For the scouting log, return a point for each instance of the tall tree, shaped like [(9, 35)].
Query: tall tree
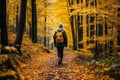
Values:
[(69, 2), (45, 44), (118, 33), (34, 21), (73, 33), (17, 18), (21, 25), (30, 31), (80, 32), (3, 27)]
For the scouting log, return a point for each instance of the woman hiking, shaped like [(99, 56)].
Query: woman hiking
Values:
[(60, 41)]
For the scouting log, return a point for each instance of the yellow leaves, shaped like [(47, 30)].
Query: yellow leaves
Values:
[(106, 69), (88, 77), (90, 46), (8, 48), (103, 39), (3, 58), (55, 12), (35, 50), (86, 54), (28, 78), (118, 53), (9, 73), (84, 11), (21, 64)]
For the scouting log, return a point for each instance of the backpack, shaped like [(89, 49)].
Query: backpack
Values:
[(59, 37)]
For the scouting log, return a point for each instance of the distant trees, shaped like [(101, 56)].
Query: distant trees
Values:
[(3, 26), (98, 32), (21, 25)]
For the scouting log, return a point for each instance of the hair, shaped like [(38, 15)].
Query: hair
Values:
[(60, 25)]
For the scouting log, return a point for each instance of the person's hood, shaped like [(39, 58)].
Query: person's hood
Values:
[(60, 29)]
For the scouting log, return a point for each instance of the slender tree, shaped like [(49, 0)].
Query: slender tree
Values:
[(80, 32), (17, 18), (34, 21), (30, 31), (72, 24), (0, 22), (118, 33), (45, 44), (3, 27), (21, 25), (73, 33), (45, 39)]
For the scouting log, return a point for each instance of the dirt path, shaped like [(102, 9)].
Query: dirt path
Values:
[(44, 67)]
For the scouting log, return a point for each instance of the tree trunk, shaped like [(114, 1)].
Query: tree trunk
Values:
[(30, 31), (73, 32), (72, 25), (45, 39), (3, 30), (80, 33), (16, 18), (118, 35), (19, 36), (34, 22), (45, 32)]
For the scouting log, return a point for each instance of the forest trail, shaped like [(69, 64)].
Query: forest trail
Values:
[(45, 67), (77, 65)]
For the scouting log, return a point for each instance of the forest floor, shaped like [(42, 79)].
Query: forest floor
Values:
[(45, 67), (42, 64)]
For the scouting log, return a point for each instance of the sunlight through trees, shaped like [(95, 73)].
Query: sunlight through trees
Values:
[(93, 30)]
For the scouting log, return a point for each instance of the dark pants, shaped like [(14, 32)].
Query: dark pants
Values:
[(60, 54)]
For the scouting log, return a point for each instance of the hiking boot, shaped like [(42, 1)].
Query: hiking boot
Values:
[(59, 62)]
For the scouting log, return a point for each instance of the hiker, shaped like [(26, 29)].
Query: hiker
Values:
[(60, 41)]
